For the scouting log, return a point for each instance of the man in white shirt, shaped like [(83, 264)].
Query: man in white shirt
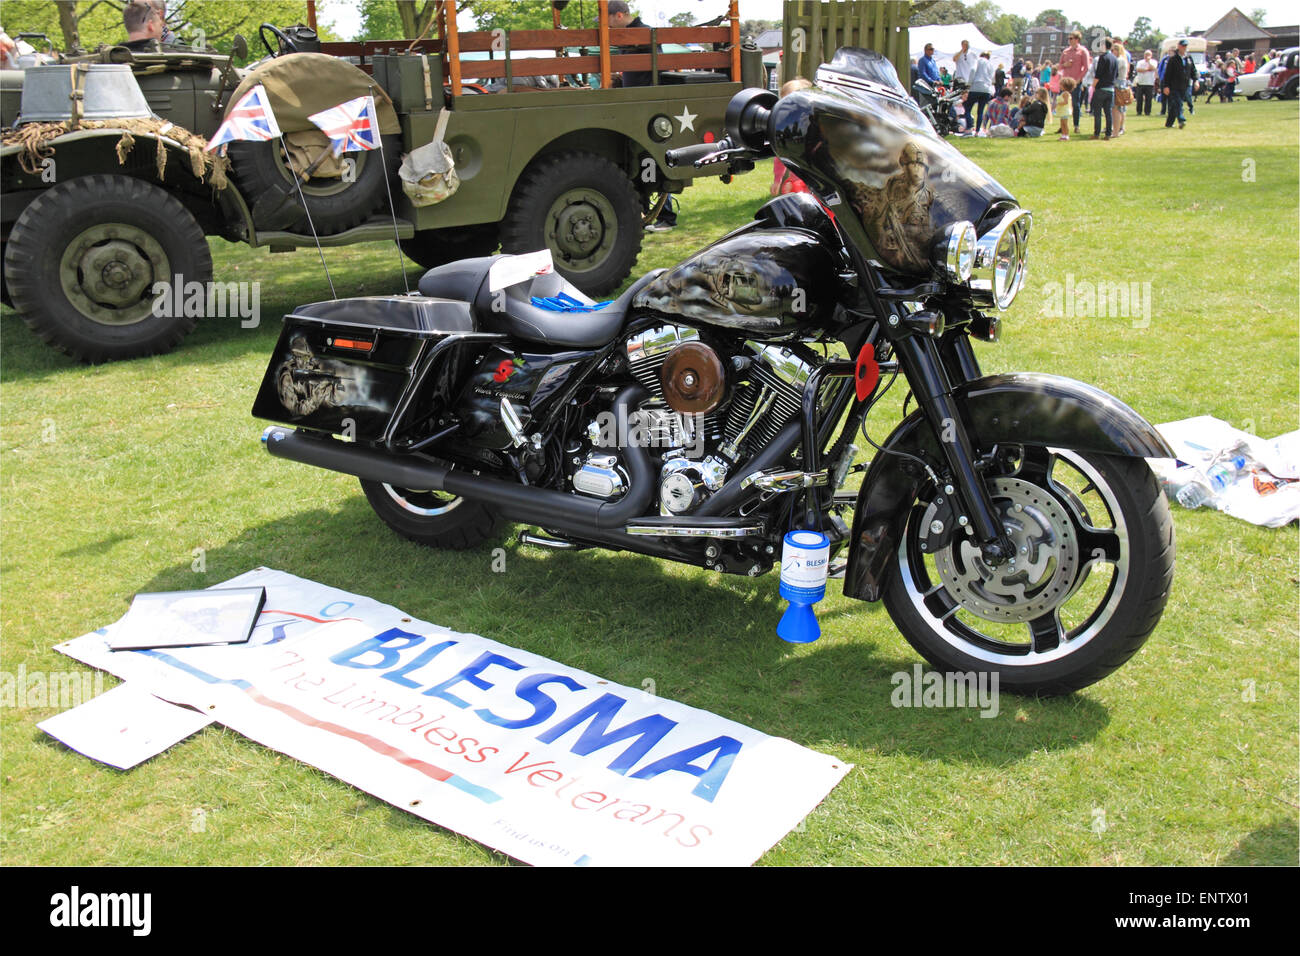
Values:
[(963, 62), (1144, 86)]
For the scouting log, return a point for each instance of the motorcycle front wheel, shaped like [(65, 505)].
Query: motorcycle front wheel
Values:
[(1094, 560)]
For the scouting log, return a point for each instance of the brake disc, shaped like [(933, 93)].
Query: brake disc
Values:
[(1037, 578)]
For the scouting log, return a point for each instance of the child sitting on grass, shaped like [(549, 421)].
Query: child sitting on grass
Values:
[(1034, 112), (1067, 86)]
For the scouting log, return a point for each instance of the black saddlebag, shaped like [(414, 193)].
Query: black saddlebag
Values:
[(352, 367)]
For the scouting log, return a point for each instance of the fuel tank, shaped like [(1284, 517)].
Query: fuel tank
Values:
[(862, 145), (769, 283)]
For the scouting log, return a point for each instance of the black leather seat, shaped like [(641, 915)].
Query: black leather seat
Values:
[(510, 311)]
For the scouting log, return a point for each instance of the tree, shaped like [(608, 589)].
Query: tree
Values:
[(1051, 17), (1258, 15), (379, 21), (528, 15), (683, 19), (1007, 28), (944, 11), (1143, 36), (754, 28), (89, 23)]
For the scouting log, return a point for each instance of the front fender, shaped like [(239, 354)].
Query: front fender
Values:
[(1021, 408)]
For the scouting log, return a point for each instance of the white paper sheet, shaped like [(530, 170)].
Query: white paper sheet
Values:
[(124, 726)]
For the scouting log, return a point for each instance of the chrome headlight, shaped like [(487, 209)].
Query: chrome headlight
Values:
[(1000, 256), (954, 251)]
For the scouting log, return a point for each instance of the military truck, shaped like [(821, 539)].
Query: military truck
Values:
[(550, 152)]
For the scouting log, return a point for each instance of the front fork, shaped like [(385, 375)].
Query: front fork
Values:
[(930, 378)]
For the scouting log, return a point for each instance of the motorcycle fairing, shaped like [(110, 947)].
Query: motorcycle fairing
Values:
[(873, 150), (1021, 408)]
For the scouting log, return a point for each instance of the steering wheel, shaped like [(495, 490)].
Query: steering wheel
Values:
[(286, 44)]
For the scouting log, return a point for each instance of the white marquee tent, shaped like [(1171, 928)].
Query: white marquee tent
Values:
[(947, 39)]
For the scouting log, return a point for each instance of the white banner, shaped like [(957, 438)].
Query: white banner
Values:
[(546, 763)]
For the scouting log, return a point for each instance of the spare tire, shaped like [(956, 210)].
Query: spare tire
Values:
[(336, 204), (297, 86)]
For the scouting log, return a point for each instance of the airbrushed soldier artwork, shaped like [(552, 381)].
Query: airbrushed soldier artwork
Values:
[(898, 216), (307, 383)]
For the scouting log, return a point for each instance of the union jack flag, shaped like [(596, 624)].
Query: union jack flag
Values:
[(250, 118), (351, 126)]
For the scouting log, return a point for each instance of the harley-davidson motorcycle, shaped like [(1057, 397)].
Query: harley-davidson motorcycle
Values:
[(1009, 522)]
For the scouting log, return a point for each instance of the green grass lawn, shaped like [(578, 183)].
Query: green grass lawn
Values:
[(112, 476)]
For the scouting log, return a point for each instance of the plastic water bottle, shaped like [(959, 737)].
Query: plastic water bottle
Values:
[(1193, 495), (1224, 473)]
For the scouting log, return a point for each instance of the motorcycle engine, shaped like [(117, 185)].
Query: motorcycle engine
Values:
[(707, 412)]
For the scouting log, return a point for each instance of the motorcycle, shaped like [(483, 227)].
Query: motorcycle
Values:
[(1008, 523), (939, 105)]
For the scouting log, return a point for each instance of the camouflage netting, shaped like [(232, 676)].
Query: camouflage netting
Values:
[(36, 139)]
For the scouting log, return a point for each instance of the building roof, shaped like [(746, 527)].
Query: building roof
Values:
[(1235, 25), (769, 39)]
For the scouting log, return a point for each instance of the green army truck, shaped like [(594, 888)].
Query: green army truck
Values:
[(99, 207)]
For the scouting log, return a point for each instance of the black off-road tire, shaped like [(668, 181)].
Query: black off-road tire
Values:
[(437, 247), (414, 515), (572, 200), (156, 239), (258, 167), (1126, 614)]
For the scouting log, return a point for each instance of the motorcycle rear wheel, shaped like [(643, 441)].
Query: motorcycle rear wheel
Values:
[(1093, 568), (432, 518)]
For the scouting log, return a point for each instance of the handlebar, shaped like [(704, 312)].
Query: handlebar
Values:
[(696, 154)]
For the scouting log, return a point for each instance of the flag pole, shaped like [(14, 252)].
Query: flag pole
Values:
[(383, 160), (297, 181)]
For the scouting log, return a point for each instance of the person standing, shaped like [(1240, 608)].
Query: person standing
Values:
[(963, 62), (144, 28), (1103, 90), (621, 18), (926, 66), (981, 90), (1074, 63), (1194, 84), (1067, 85), (1144, 87), (1029, 85), (1123, 95), (999, 77), (1177, 80)]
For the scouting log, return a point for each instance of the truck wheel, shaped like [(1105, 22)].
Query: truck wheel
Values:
[(336, 205), (585, 210), (437, 247), (83, 258)]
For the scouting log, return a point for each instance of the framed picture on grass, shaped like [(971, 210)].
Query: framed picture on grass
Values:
[(188, 618)]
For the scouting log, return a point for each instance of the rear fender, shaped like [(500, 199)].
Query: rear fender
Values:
[(1019, 408)]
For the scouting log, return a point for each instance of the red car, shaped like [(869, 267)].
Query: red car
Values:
[(1282, 84)]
